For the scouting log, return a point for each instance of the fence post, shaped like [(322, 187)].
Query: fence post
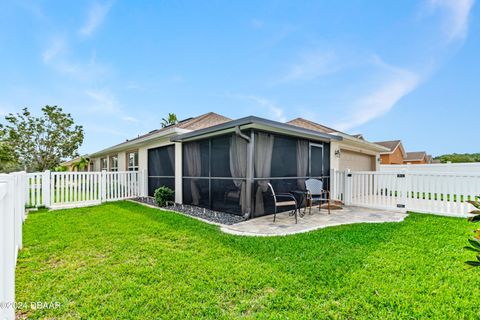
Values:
[(46, 181), (403, 189), (103, 186), (7, 247), (348, 187), (18, 208)]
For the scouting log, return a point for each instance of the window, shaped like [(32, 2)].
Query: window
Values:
[(114, 163), (103, 164), (132, 161)]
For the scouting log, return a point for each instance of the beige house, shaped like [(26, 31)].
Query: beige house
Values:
[(214, 162)]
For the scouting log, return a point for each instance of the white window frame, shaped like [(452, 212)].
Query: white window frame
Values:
[(113, 159), (103, 164), (134, 167)]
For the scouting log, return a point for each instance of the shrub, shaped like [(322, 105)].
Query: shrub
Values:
[(475, 240), (163, 195)]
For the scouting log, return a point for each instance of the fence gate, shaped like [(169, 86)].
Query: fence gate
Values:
[(379, 190)]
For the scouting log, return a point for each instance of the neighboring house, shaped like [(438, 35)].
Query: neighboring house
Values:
[(214, 162), (395, 154), (71, 165), (418, 157)]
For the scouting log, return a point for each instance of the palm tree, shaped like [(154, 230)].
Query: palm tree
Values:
[(172, 119), (81, 164)]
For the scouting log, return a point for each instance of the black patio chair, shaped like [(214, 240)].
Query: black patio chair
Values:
[(284, 200)]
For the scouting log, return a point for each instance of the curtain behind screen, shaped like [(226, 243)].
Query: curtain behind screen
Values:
[(302, 162), (194, 168), (238, 167), (263, 165)]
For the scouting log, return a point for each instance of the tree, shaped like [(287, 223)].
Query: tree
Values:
[(172, 119), (459, 157), (81, 164), (41, 143), (8, 161)]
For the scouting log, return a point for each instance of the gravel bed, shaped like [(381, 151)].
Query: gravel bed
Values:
[(207, 214)]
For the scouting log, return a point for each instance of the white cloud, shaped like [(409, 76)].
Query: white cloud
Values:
[(96, 15), (379, 101), (56, 55), (256, 23), (312, 65), (55, 48), (457, 13), (276, 112), (105, 101), (129, 119)]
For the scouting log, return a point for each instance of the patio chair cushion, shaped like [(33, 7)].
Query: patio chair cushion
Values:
[(286, 203)]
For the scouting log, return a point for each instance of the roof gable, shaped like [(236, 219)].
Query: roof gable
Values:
[(415, 156), (306, 124)]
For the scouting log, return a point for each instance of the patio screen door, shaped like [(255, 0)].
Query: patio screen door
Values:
[(316, 160)]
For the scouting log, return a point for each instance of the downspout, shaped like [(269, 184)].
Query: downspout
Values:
[(239, 133)]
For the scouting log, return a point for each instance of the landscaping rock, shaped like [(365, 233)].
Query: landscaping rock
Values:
[(207, 214)]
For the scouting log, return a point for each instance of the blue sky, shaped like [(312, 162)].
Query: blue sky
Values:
[(388, 69)]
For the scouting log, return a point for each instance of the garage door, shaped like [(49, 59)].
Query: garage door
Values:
[(356, 161)]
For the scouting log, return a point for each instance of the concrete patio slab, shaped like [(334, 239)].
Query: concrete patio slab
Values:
[(285, 224)]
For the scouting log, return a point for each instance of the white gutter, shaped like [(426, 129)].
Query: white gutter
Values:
[(136, 142), (361, 143)]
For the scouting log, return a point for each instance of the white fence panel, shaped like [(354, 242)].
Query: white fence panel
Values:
[(12, 216), (380, 190), (33, 190), (74, 189), (442, 193), (123, 185), (78, 189), (427, 192), (469, 167), (337, 191)]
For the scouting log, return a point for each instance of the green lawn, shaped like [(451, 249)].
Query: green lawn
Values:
[(123, 260)]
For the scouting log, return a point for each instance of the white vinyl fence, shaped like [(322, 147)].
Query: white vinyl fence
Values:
[(53, 190), (76, 189), (12, 216), (468, 167), (428, 192)]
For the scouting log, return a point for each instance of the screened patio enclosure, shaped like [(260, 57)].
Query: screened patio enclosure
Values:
[(231, 172)]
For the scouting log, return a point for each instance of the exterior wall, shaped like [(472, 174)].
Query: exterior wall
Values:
[(334, 160), (392, 158), (347, 151), (356, 161)]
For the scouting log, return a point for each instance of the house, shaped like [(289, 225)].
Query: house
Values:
[(395, 154), (75, 164), (214, 162), (417, 157)]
